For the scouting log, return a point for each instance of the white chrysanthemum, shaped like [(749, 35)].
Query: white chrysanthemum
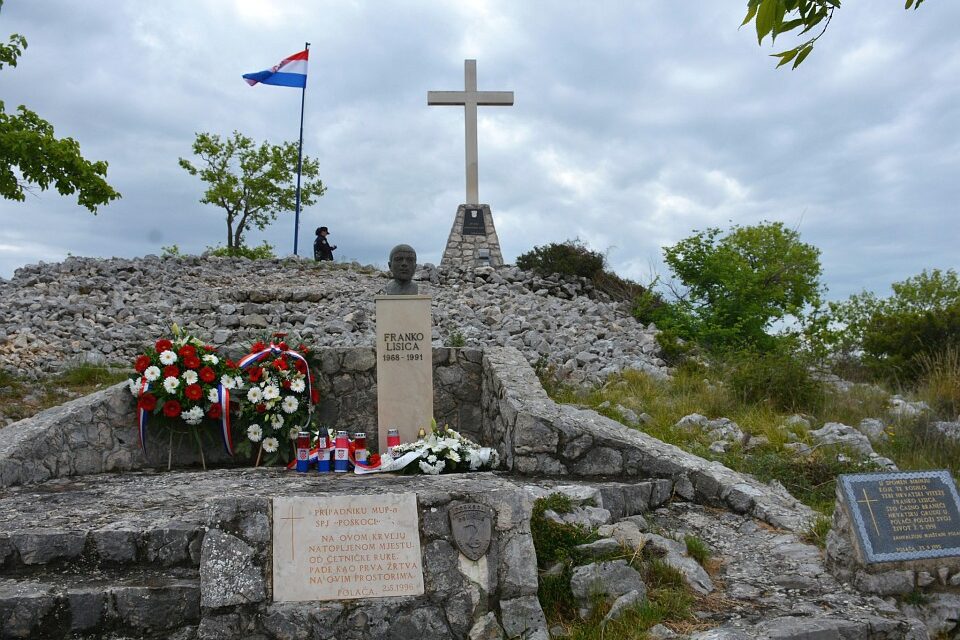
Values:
[(213, 396), (254, 395), (270, 445), (277, 420), (432, 469), (134, 386), (453, 456), (254, 432), (431, 458), (451, 443), (170, 384), (238, 381), (193, 416), (271, 392), (168, 357), (293, 433), (228, 382), (190, 377), (212, 359), (152, 373), (298, 385), (290, 404)]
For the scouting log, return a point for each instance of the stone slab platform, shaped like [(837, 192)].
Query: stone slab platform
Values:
[(144, 542)]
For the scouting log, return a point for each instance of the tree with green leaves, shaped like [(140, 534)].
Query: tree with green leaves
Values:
[(739, 283), (251, 183), (892, 335), (30, 153), (775, 17)]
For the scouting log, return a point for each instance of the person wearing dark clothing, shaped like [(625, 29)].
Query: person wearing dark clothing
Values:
[(321, 248)]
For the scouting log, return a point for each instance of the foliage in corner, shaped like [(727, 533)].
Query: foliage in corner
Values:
[(261, 252), (251, 183), (570, 258), (895, 335), (775, 17), (29, 146)]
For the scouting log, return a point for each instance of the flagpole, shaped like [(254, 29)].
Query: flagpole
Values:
[(303, 100)]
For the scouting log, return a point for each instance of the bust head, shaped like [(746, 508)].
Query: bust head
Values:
[(402, 264)]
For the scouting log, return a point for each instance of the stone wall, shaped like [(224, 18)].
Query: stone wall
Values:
[(97, 433), (536, 436), (492, 396)]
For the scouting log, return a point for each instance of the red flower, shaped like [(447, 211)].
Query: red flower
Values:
[(374, 459), (231, 364), (302, 348), (193, 392), (141, 363), (163, 345), (209, 348), (254, 373), (261, 408), (207, 374), (285, 384), (279, 335), (171, 371), (314, 396), (171, 408), (191, 362), (302, 368), (147, 402), (281, 364), (283, 346), (257, 346), (214, 412), (187, 350)]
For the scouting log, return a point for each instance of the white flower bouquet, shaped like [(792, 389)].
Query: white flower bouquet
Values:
[(443, 450)]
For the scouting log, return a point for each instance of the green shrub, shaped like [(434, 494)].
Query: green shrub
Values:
[(570, 258), (817, 533), (262, 252), (173, 251), (895, 345), (780, 378), (940, 380)]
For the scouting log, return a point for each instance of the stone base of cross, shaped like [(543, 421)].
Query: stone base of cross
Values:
[(473, 240)]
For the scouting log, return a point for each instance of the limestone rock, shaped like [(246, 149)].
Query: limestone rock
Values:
[(610, 580), (228, 574)]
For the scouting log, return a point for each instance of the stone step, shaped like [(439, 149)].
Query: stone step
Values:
[(164, 544), (143, 603)]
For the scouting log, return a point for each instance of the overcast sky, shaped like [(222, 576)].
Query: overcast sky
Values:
[(635, 123)]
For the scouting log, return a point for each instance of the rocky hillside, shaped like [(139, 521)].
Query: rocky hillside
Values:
[(105, 310)]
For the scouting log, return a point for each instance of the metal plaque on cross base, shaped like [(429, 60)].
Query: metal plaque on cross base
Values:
[(473, 222), (404, 366)]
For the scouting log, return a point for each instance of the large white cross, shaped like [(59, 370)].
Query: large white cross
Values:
[(470, 98)]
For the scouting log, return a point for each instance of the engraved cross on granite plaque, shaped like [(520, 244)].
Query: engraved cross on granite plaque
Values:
[(470, 98)]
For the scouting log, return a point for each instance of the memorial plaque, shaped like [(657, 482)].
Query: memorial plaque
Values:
[(473, 222), (904, 515), (404, 366), (343, 547)]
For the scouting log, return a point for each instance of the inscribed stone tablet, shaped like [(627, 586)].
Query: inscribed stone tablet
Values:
[(343, 547), (404, 366), (905, 515), (473, 222)]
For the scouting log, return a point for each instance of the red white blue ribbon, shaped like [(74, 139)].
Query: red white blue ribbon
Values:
[(142, 417), (224, 396), (272, 349)]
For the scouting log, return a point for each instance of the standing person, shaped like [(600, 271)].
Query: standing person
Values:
[(321, 248)]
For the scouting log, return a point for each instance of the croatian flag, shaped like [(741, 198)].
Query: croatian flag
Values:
[(291, 72)]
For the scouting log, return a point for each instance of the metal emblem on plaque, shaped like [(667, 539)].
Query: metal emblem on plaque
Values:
[(472, 526)]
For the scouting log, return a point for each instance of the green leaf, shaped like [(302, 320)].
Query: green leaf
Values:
[(786, 56), (751, 11), (804, 52), (766, 17), (790, 25)]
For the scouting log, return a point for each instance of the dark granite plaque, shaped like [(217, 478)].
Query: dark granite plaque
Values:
[(910, 515), (473, 222)]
